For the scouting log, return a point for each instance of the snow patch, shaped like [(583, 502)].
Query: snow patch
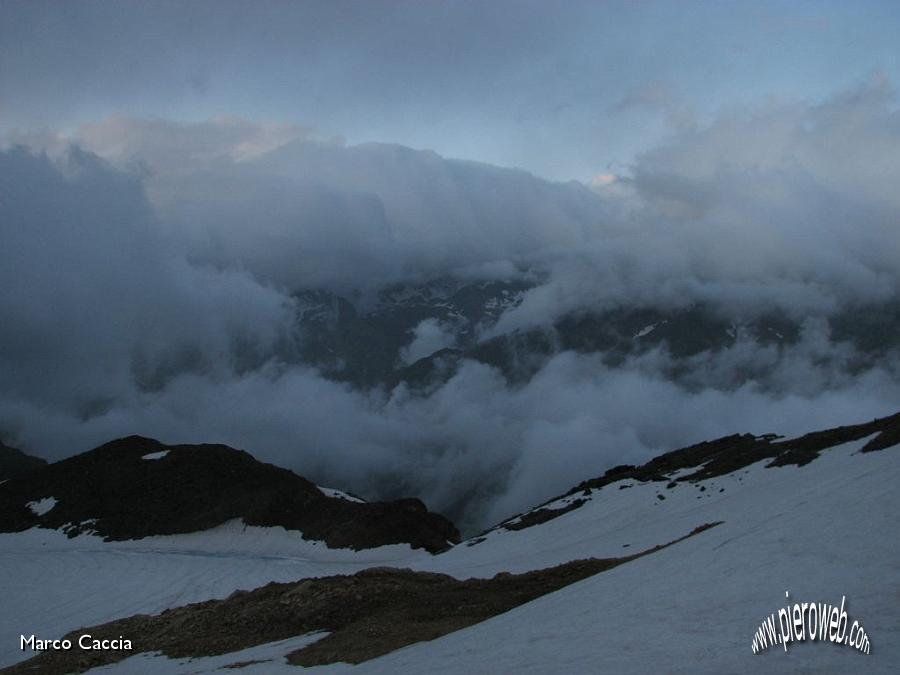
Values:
[(686, 471), (42, 506), (331, 492), (646, 330), (563, 502), (265, 658), (84, 527), (156, 455)]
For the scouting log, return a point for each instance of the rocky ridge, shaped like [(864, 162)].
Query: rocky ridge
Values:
[(137, 487)]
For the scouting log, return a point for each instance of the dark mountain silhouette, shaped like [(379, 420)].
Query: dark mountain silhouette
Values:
[(137, 487)]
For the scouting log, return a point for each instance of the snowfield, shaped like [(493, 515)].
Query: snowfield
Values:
[(52, 584), (821, 531)]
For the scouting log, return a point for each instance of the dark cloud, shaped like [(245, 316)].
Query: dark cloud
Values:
[(96, 302)]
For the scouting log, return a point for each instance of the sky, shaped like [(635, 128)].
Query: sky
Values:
[(172, 173), (566, 90)]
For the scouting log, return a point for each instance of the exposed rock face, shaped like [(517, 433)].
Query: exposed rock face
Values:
[(137, 487), (361, 343), (15, 463)]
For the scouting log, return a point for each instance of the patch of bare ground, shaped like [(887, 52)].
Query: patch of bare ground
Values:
[(366, 615)]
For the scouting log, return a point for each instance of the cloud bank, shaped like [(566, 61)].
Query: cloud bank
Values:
[(146, 271)]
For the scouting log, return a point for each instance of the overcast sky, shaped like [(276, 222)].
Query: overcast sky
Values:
[(563, 89)]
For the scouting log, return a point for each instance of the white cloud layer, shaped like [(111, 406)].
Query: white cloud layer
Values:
[(151, 297), (429, 336)]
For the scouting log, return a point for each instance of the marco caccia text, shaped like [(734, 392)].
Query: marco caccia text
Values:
[(85, 642)]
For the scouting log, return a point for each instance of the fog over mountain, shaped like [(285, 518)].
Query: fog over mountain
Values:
[(151, 276)]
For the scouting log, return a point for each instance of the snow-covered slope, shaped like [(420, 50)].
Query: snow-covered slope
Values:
[(52, 584), (822, 530)]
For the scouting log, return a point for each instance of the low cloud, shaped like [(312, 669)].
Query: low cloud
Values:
[(146, 272), (475, 448), (429, 336), (96, 303), (788, 206)]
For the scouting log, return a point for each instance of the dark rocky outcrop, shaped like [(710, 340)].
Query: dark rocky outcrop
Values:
[(115, 492), (730, 453)]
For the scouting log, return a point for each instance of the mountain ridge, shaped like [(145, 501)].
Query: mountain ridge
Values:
[(718, 457), (136, 487)]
